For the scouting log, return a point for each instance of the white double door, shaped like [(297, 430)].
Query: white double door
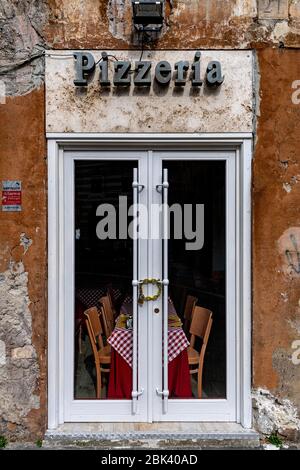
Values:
[(207, 271)]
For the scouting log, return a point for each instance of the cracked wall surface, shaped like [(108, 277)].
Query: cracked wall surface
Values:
[(27, 29), (276, 236), (19, 373), (23, 270), (273, 415), (210, 24), (22, 45)]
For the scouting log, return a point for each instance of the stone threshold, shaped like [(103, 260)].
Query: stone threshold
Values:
[(156, 435)]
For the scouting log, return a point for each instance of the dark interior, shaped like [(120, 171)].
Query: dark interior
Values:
[(202, 273)]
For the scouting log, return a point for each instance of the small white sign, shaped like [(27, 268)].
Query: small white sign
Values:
[(11, 185)]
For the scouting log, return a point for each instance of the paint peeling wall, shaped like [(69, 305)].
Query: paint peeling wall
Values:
[(23, 280), (211, 24), (271, 27), (276, 228)]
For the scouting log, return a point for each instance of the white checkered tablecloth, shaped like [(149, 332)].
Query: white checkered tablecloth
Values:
[(121, 341)]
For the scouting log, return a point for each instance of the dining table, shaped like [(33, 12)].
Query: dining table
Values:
[(120, 377)]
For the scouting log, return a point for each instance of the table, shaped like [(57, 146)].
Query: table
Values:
[(120, 378)]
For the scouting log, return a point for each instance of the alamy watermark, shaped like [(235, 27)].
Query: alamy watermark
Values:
[(296, 93), (184, 222), (2, 92), (296, 353)]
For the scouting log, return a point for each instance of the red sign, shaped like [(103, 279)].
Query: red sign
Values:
[(11, 198)]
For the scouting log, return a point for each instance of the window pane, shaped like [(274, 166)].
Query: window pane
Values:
[(197, 271), (103, 277)]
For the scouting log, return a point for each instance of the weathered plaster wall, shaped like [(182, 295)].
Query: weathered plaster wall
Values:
[(210, 23), (23, 270), (276, 222), (27, 27), (21, 45)]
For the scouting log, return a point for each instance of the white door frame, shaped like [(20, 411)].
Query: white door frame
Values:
[(241, 143)]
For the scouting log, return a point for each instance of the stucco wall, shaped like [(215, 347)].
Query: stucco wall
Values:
[(276, 227), (23, 269), (30, 26)]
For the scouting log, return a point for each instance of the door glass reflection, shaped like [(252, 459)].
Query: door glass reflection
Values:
[(197, 274), (103, 280)]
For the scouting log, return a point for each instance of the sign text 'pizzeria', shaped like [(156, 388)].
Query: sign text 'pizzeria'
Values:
[(141, 73)]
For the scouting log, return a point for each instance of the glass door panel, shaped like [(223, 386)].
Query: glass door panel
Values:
[(197, 275), (103, 278), (105, 368), (200, 304)]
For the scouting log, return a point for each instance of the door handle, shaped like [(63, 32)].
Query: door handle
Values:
[(136, 393), (163, 188)]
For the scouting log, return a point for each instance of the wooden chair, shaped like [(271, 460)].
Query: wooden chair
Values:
[(190, 304), (200, 327), (102, 354), (106, 328), (108, 314), (110, 298)]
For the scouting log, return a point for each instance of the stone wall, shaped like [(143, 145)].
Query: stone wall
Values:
[(271, 28)]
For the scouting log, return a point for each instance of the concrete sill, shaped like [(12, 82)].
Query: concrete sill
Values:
[(156, 435)]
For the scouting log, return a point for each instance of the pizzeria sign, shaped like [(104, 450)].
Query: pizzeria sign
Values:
[(142, 73)]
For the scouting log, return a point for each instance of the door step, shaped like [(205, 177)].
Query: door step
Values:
[(152, 436)]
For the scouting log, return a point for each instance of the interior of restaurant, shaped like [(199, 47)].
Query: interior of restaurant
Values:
[(103, 276)]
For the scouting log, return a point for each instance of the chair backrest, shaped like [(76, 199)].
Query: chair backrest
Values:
[(201, 325), (94, 328), (108, 313), (190, 303), (111, 301), (106, 327)]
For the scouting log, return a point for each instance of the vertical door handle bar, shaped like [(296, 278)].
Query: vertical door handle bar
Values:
[(135, 284), (165, 392)]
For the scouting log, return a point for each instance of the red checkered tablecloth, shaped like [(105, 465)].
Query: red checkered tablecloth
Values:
[(121, 341)]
